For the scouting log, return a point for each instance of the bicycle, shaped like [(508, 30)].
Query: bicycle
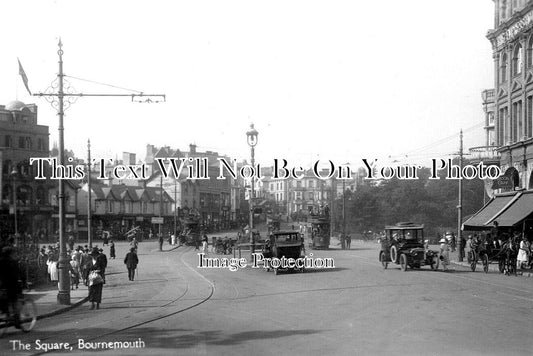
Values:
[(27, 315)]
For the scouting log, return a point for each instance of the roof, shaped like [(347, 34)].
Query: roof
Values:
[(508, 210), (483, 218), (15, 105), (404, 226), (123, 192)]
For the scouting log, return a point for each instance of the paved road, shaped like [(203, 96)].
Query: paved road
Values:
[(358, 308)]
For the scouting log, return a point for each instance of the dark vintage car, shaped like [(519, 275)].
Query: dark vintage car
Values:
[(403, 244), (284, 244)]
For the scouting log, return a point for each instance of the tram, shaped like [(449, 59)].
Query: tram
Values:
[(320, 231)]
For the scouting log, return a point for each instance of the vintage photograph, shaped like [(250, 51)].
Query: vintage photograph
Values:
[(241, 177)]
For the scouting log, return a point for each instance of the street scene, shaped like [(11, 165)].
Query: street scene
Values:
[(285, 177)]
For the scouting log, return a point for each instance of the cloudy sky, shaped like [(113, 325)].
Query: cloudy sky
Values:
[(340, 80)]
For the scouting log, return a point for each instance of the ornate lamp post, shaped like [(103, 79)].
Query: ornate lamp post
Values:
[(252, 142)]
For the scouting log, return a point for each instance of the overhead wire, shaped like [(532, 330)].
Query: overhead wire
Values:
[(100, 83)]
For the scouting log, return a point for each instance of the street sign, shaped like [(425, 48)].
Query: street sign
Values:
[(157, 220)]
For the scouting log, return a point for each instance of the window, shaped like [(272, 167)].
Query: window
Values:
[(503, 68), (22, 142), (529, 52), (8, 141), (109, 206), (517, 60), (529, 117), (311, 184)]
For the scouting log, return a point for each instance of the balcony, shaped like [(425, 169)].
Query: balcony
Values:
[(486, 154)]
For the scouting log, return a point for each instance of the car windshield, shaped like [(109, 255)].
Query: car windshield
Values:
[(414, 235)]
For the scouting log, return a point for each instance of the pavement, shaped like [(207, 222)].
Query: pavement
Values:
[(45, 297)]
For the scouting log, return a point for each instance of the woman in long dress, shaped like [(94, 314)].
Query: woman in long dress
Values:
[(96, 286), (444, 253), (523, 253)]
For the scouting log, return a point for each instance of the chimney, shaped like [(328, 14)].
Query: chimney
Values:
[(192, 148)]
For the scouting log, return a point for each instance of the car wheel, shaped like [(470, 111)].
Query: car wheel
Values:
[(485, 260), (382, 260), (394, 254), (403, 262)]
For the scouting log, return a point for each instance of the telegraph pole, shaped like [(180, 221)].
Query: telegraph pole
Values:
[(89, 203), (57, 100), (460, 205)]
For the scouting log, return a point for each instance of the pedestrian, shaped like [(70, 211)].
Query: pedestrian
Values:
[(96, 281), (103, 261), (9, 280), (70, 242), (131, 261), (85, 264), (444, 253), (348, 241), (112, 253), (161, 242), (205, 244), (134, 243), (173, 239), (196, 243), (523, 253), (106, 238), (343, 241), (74, 272)]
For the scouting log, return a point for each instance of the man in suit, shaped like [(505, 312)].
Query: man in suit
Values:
[(131, 261)]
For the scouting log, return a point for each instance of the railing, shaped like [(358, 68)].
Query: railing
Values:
[(484, 153)]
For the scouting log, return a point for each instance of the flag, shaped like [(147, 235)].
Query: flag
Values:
[(24, 77)]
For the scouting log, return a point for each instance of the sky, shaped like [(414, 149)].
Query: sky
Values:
[(328, 80)]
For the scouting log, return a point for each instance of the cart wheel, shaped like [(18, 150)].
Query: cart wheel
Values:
[(485, 260), (473, 264), (382, 260), (403, 262)]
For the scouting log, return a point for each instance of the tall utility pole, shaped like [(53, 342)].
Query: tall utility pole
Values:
[(160, 202), (57, 101), (460, 205), (89, 194)]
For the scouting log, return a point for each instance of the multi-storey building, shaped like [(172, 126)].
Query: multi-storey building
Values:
[(22, 138), (512, 44), (216, 201)]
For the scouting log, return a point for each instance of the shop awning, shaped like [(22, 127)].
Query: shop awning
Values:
[(482, 219), (517, 211)]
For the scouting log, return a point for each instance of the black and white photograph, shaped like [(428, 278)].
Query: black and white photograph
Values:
[(243, 177)]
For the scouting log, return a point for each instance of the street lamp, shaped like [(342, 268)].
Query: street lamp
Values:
[(252, 142), (13, 176)]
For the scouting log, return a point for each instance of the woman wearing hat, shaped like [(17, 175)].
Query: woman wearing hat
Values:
[(96, 282), (444, 253), (523, 253)]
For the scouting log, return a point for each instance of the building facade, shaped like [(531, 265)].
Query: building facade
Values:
[(21, 138), (512, 44)]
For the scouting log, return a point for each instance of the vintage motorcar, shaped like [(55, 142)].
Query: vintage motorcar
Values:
[(403, 244), (284, 244)]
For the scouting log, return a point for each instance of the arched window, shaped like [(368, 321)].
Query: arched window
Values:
[(518, 60), (503, 9), (503, 68)]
